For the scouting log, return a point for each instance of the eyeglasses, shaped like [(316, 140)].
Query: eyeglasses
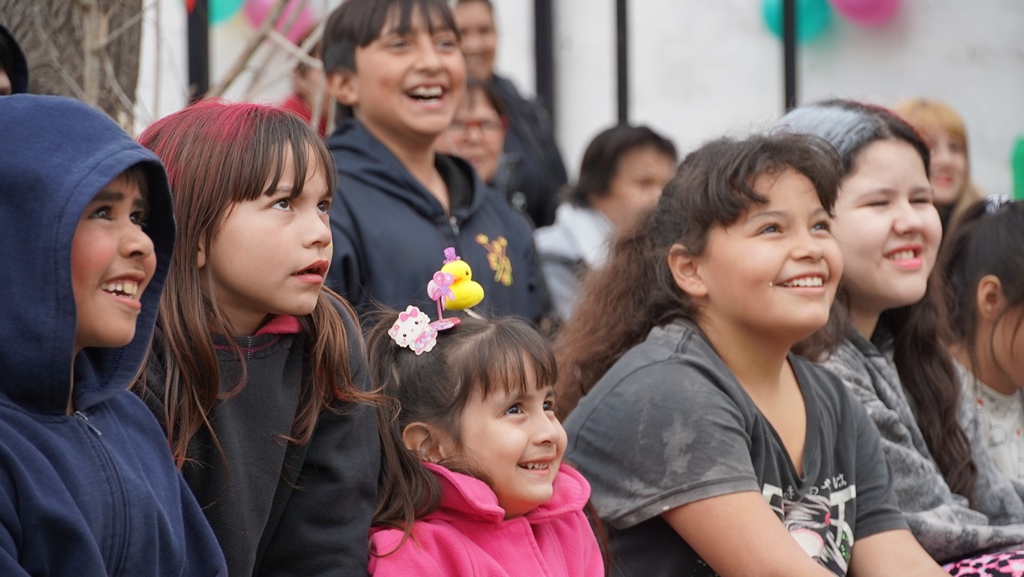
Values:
[(487, 127)]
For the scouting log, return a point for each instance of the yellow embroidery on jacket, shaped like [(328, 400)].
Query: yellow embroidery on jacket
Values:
[(497, 257)]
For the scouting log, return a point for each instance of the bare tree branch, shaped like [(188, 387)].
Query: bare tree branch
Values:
[(71, 52)]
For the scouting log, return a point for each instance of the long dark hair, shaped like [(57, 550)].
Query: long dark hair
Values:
[(485, 356), (988, 239), (712, 187), (919, 331), (210, 150)]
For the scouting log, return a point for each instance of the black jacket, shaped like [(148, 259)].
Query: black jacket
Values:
[(390, 232), (279, 508), (530, 141)]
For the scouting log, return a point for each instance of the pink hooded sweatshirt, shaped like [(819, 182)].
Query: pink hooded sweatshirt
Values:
[(468, 535)]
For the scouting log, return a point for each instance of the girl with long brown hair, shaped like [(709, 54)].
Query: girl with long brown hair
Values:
[(257, 371), (895, 358)]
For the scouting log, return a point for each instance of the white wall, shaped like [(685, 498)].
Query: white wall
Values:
[(702, 68), (163, 62)]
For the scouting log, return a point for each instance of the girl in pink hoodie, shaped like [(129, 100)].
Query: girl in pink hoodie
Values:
[(473, 481)]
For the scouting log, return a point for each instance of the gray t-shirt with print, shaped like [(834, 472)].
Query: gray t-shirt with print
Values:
[(669, 425)]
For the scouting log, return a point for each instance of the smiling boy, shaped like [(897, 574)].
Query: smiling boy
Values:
[(397, 65), (87, 484)]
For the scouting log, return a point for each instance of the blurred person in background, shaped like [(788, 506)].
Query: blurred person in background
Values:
[(309, 88), (530, 134), (946, 135), (477, 134), (623, 172)]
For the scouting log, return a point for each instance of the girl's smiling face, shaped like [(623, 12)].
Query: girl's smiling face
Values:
[(515, 443), (888, 229), (772, 274)]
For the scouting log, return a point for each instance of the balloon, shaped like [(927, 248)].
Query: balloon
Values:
[(221, 10), (1018, 168), (867, 12), (258, 10), (812, 18)]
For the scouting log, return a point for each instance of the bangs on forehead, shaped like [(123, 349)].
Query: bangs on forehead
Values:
[(138, 175), (279, 136), (503, 361), (398, 17), (301, 160)]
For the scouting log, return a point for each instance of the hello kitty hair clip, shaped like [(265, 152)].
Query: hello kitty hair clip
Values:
[(414, 330)]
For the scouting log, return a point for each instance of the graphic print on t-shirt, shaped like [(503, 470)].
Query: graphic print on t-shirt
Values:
[(817, 519), (497, 257)]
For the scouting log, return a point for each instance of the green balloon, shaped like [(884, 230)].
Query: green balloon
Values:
[(812, 18), (221, 10), (1017, 161)]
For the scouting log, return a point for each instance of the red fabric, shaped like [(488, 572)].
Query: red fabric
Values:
[(299, 107), (280, 325)]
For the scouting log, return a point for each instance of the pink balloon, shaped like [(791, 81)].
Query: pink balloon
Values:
[(867, 12), (256, 11)]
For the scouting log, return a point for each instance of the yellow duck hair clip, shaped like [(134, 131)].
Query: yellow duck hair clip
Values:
[(453, 288)]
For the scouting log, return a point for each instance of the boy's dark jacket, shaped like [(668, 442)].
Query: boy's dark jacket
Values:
[(94, 493), (390, 232), (540, 173)]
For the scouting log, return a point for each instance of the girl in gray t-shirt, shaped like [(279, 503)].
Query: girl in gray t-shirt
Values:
[(711, 448)]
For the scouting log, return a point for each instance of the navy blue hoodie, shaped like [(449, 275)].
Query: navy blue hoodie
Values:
[(95, 493), (390, 232)]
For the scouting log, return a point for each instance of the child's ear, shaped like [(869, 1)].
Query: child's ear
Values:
[(989, 297), (343, 86), (686, 271), (425, 441)]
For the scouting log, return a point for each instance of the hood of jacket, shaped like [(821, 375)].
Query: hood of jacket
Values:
[(56, 154), (361, 156), (19, 69), (465, 498)]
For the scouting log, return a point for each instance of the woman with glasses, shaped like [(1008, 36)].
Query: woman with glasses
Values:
[(477, 134)]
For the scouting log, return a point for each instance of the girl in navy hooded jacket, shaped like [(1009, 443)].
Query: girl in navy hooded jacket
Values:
[(87, 483)]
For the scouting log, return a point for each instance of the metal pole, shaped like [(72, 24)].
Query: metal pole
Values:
[(622, 61), (789, 23), (544, 58), (199, 50)]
